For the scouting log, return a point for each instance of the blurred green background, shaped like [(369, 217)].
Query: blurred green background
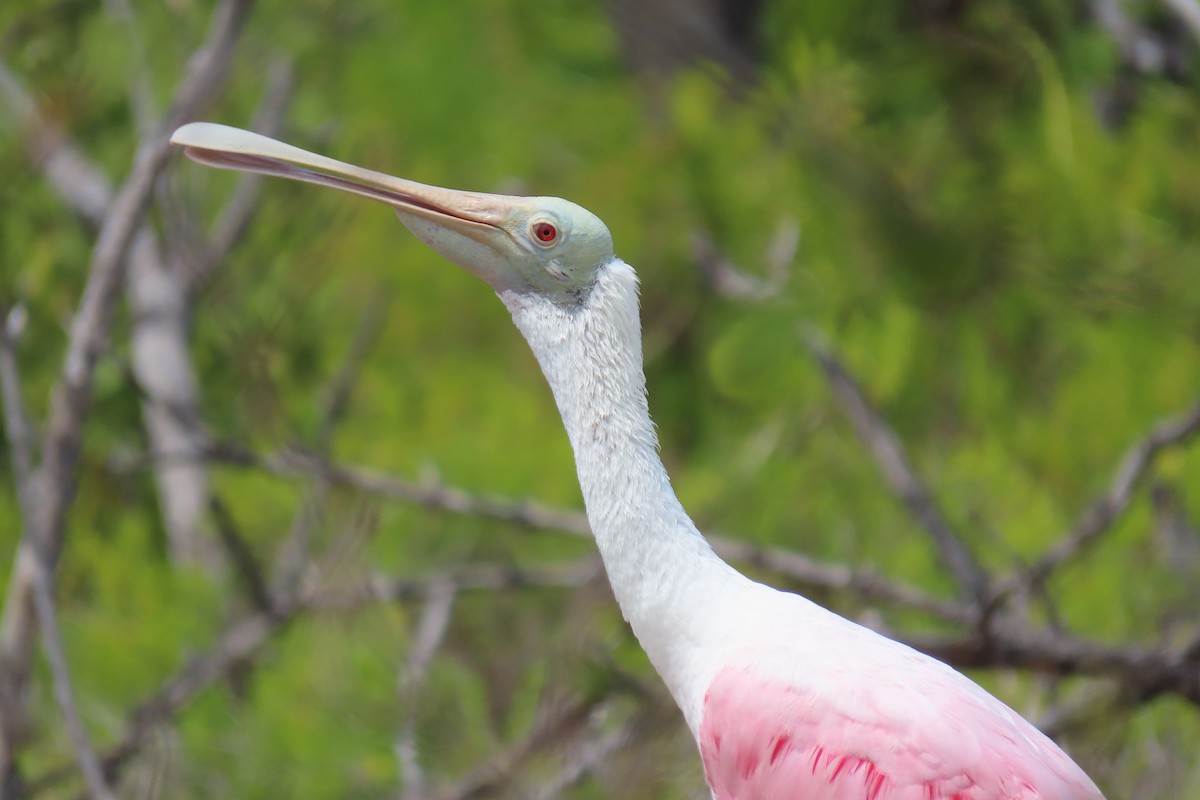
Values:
[(991, 210)]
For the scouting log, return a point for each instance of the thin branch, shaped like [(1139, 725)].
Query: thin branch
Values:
[(1148, 672), (204, 254), (1189, 12), (336, 397), (20, 436), (1145, 52), (865, 584), (584, 761), (1100, 516), (241, 556), (293, 554), (64, 693), (889, 453), (17, 429), (468, 578), (236, 214), (159, 302), (238, 643), (807, 572), (74, 178), (55, 479), (435, 619), (21, 441), (554, 723)]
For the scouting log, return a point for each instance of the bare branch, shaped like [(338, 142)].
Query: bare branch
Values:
[(587, 757), (431, 629), (68, 171), (294, 552), (554, 723), (806, 572), (17, 429), (866, 584), (1147, 672), (239, 642), (1105, 510), (20, 437), (235, 216), (64, 693), (14, 667), (201, 255), (469, 578), (336, 396), (241, 556), (158, 298), (1189, 12), (727, 280), (1140, 49), (889, 453), (54, 482)]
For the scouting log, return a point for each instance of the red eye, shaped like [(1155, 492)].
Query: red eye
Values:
[(545, 232)]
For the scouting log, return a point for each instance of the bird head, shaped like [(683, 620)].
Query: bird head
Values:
[(545, 245)]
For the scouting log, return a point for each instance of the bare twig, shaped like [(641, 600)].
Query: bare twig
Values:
[(589, 755), (294, 552), (469, 578), (17, 429), (1105, 510), (235, 215), (158, 299), (806, 572), (54, 481), (241, 556), (727, 280), (889, 453), (1189, 12), (64, 693), (1138, 47), (203, 255), (435, 618), (555, 722), (336, 396), (238, 643), (21, 441), (19, 434), (1054, 652), (1146, 672)]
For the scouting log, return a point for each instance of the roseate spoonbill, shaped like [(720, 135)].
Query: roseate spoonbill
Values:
[(785, 698)]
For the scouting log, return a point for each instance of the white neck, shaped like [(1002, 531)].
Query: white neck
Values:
[(662, 571)]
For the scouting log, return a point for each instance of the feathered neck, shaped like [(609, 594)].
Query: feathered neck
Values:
[(662, 571)]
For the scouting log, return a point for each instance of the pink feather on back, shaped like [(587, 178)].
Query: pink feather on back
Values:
[(762, 738)]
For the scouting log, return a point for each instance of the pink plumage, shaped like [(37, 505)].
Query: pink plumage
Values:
[(917, 732)]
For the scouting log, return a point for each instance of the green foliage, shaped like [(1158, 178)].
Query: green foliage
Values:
[(1013, 281)]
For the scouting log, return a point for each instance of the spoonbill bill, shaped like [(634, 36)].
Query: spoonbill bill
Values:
[(786, 700)]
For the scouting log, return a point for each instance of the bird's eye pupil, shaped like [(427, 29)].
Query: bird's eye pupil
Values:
[(545, 232)]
